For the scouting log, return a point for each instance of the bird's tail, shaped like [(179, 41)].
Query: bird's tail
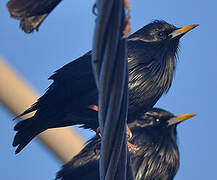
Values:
[(26, 131)]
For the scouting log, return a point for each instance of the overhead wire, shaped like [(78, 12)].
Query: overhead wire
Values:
[(109, 62)]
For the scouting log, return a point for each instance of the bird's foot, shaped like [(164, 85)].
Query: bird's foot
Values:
[(128, 133), (132, 147), (98, 132), (93, 107)]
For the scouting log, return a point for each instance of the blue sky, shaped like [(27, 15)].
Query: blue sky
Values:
[(67, 33)]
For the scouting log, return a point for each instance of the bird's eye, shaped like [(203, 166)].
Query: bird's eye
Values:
[(161, 34), (157, 120)]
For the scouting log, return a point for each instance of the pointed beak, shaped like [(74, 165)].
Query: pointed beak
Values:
[(180, 118), (182, 30)]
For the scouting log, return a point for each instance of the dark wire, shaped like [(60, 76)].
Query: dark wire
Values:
[(110, 68)]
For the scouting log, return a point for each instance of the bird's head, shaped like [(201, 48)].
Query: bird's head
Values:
[(152, 58), (159, 121), (154, 133), (161, 31)]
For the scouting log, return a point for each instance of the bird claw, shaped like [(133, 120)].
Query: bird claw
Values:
[(98, 132), (132, 147), (128, 133), (93, 107)]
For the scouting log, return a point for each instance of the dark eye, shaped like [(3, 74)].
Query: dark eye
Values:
[(157, 120), (161, 35)]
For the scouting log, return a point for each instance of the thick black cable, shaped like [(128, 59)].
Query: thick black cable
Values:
[(109, 62)]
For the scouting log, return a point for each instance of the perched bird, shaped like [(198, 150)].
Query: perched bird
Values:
[(157, 157), (72, 97), (31, 13)]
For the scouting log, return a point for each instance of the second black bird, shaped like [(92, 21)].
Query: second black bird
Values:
[(154, 133)]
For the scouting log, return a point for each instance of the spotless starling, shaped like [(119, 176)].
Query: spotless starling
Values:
[(31, 13), (72, 97), (157, 157)]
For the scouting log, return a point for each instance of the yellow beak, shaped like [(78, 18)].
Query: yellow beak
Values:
[(182, 30), (180, 118)]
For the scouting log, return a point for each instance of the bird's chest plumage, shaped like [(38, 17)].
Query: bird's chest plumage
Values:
[(156, 160), (150, 75)]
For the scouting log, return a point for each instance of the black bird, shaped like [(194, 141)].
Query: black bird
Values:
[(31, 13), (157, 158), (72, 97)]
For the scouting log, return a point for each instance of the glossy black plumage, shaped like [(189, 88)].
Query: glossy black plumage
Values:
[(156, 159), (151, 60), (31, 13)]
